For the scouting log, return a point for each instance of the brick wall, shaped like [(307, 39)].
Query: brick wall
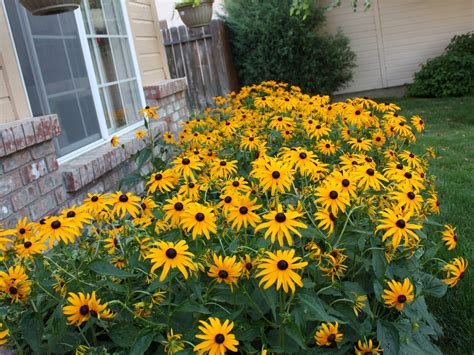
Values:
[(33, 184)]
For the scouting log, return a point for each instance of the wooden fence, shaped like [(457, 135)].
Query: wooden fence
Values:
[(203, 56)]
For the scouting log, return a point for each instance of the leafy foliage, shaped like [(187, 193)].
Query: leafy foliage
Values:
[(270, 44), (450, 74)]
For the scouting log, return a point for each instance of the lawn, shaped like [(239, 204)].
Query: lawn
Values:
[(450, 130)]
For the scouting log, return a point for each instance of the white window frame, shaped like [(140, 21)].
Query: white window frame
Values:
[(104, 131)]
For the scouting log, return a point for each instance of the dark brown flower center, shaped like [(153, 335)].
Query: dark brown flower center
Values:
[(370, 172), (332, 338), (27, 244), (158, 177), (243, 210), (94, 198), (402, 299), (408, 175), (280, 217), (13, 290), (71, 214), (171, 253), (249, 266), (333, 195), (332, 217), (345, 182), (123, 198), (411, 195), (199, 217), (223, 163), (185, 161), (219, 338), (276, 175), (84, 310), (303, 155), (282, 265), (55, 224), (178, 206), (223, 274), (400, 223), (228, 199)]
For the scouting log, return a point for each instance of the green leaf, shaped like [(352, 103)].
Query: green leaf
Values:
[(314, 309), (142, 343), (123, 334), (32, 328), (433, 286), (192, 307), (389, 338), (104, 268), (294, 332), (143, 157), (379, 263)]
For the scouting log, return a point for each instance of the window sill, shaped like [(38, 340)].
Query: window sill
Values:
[(90, 166)]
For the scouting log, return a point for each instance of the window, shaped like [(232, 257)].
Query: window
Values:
[(113, 65), (81, 66)]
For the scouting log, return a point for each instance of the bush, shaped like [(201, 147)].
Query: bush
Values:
[(450, 74), (284, 223), (270, 44)]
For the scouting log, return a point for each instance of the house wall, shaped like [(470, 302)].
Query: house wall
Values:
[(148, 41), (13, 101), (393, 38)]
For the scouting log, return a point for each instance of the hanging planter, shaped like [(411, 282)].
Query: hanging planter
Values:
[(50, 7), (195, 13)]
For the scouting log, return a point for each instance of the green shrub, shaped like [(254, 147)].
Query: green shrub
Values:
[(270, 44), (450, 74)]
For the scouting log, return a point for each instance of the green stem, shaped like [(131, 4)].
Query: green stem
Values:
[(345, 225)]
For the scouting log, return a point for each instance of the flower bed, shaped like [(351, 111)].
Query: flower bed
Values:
[(285, 224)]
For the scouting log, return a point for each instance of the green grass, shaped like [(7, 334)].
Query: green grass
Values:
[(450, 130)]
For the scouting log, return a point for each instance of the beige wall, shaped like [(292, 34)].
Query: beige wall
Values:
[(148, 41), (13, 101), (394, 37)]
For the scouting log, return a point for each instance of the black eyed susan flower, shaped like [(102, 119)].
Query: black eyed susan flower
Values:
[(450, 236), (95, 203), (81, 307), (408, 199), (125, 203), (397, 226), (398, 294), (281, 224), (328, 334), (242, 213), (168, 137), (77, 216), (3, 334), (360, 144), (222, 168), (333, 197), (163, 180), (367, 347), (369, 178), (359, 303), (60, 285), (56, 229), (115, 141), (327, 147), (191, 190), (170, 256), (174, 209), (456, 270), (149, 112), (327, 220), (15, 283), (334, 266), (186, 165), (248, 265), (378, 139), (418, 123), (199, 219), (279, 269), (173, 343), (227, 269), (236, 186), (23, 229), (216, 337), (250, 143), (274, 175), (29, 247)]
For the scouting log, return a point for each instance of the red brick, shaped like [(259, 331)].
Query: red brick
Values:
[(8, 141), (6, 209), (56, 125), (43, 206), (50, 182), (47, 127), (60, 195), (87, 174), (52, 162), (16, 160), (43, 149), (25, 197), (10, 183), (19, 137), (72, 180), (39, 130), (29, 133), (2, 148), (33, 171)]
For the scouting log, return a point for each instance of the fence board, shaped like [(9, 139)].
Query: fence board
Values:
[(203, 56)]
